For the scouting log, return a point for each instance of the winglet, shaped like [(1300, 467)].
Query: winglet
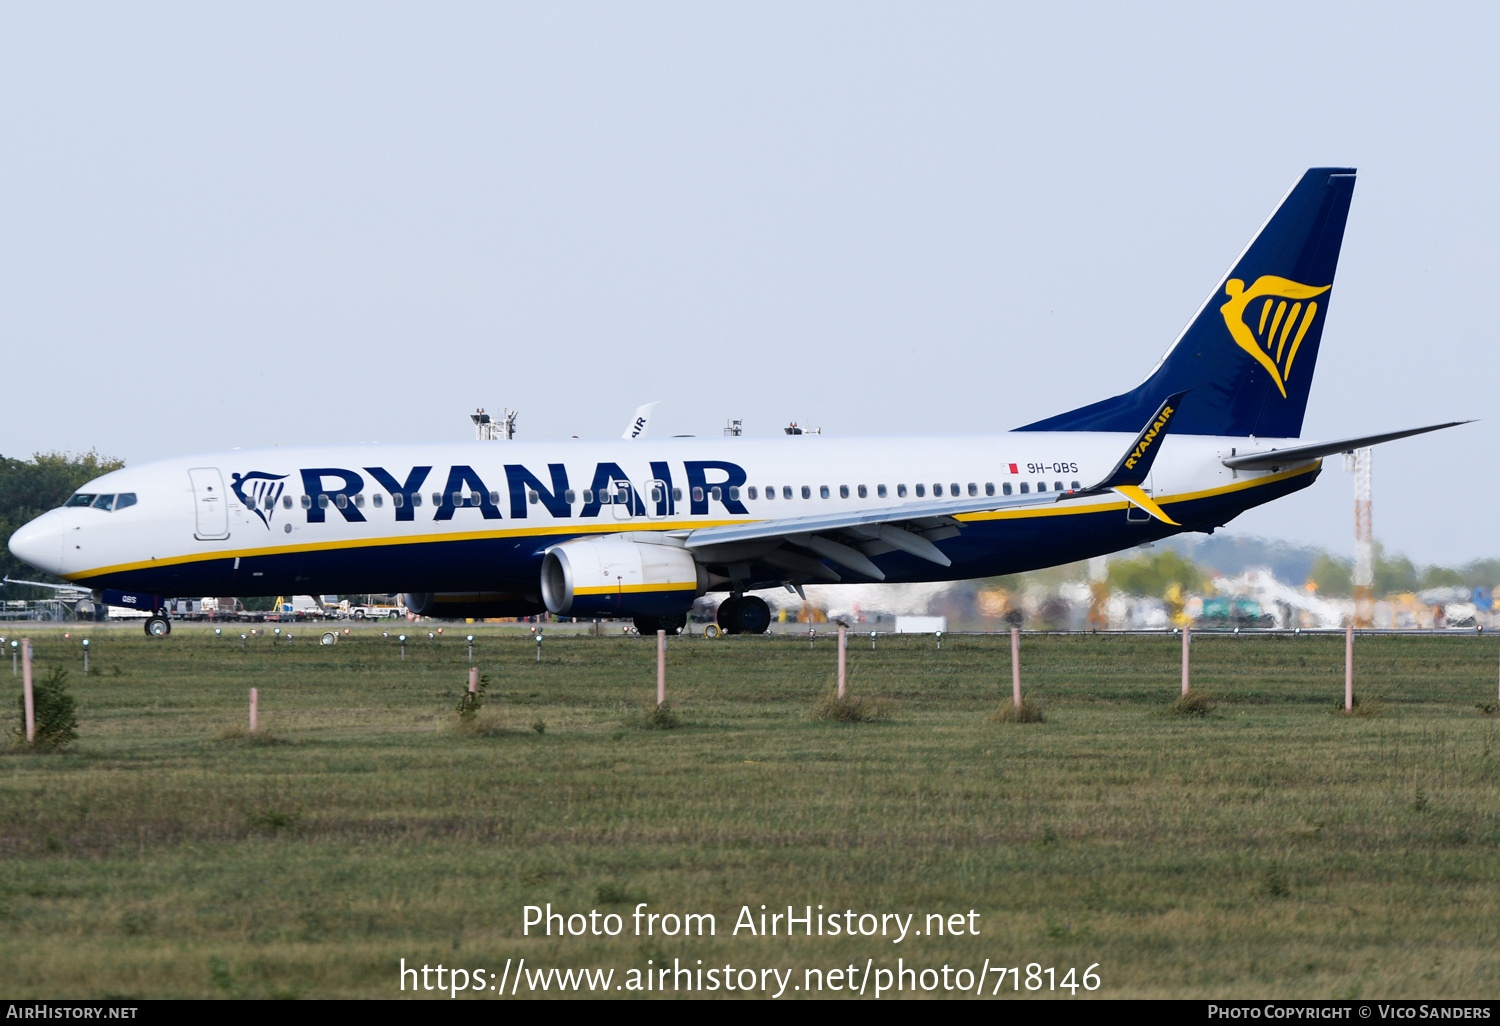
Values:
[(1135, 465)]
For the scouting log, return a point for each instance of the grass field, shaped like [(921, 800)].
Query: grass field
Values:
[(1271, 848)]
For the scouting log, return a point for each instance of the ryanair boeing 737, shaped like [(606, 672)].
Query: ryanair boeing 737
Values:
[(641, 527)]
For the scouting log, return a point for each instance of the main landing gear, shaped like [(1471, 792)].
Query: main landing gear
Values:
[(158, 626), (649, 625), (744, 614)]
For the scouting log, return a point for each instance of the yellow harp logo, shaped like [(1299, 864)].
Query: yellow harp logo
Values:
[(1278, 331)]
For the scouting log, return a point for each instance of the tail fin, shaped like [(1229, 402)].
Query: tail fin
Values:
[(1248, 355)]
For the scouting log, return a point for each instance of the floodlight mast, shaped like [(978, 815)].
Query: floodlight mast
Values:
[(493, 429)]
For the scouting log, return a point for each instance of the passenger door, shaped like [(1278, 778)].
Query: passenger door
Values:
[(210, 504)]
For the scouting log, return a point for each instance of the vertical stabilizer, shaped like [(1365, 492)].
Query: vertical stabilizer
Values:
[(1248, 355)]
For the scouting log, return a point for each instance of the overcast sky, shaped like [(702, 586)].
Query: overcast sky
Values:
[(238, 225)]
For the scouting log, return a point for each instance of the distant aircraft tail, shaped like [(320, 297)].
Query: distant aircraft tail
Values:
[(1249, 353)]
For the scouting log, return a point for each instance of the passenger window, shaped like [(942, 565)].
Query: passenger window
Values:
[(458, 498), (494, 498), (953, 489), (806, 492), (843, 491), (863, 492), (1005, 487), (588, 496), (786, 491), (342, 500), (753, 493), (716, 494), (416, 498), (322, 502), (937, 491), (1077, 486), (880, 491), (531, 496), (1057, 486), (270, 502), (697, 494), (921, 490), (1025, 488), (1041, 486), (973, 488), (105, 502), (657, 494), (734, 493), (128, 499), (989, 488), (437, 498), (770, 492), (569, 496), (676, 494), (359, 501), (822, 491), (397, 500), (901, 491), (79, 500), (378, 500)]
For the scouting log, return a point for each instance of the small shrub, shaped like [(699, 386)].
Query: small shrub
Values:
[(56, 720), (260, 737), (1275, 884), (1361, 710), (275, 821), (1194, 703), (655, 717), (540, 726), (1488, 708), (614, 894), (1029, 711), (470, 702), (483, 724), (851, 709)]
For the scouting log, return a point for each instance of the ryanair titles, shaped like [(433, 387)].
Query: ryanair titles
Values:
[(462, 490)]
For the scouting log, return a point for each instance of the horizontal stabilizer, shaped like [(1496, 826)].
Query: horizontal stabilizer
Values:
[(1272, 459)]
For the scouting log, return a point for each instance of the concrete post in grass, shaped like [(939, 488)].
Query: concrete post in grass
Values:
[(85, 657), (254, 710), (538, 646), (1186, 645), (473, 680), (28, 696), (1015, 665), (1349, 668), (661, 667), (843, 660)]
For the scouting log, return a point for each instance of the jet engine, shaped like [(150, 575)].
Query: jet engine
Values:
[(620, 576)]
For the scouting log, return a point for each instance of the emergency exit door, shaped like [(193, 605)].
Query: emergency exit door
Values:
[(210, 504)]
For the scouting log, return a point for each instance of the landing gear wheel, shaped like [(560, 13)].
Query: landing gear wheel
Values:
[(647, 625), (754, 615), (672, 624), (728, 615), (158, 627)]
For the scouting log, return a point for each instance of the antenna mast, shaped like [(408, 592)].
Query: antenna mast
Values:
[(1364, 540)]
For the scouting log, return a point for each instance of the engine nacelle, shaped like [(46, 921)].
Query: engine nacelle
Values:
[(617, 576), (479, 605)]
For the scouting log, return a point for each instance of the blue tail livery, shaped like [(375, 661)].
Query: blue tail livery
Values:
[(1248, 355)]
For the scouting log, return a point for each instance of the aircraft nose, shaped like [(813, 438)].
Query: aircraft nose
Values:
[(40, 542)]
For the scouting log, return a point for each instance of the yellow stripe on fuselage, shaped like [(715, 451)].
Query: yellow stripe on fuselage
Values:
[(619, 527)]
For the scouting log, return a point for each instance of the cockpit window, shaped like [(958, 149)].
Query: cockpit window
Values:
[(125, 499), (80, 500), (105, 502)]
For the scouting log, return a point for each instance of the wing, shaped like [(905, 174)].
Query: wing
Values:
[(799, 545)]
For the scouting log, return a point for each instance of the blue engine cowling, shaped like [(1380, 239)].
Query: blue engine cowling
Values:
[(618, 575)]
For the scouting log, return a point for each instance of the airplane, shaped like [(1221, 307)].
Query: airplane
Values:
[(640, 528)]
